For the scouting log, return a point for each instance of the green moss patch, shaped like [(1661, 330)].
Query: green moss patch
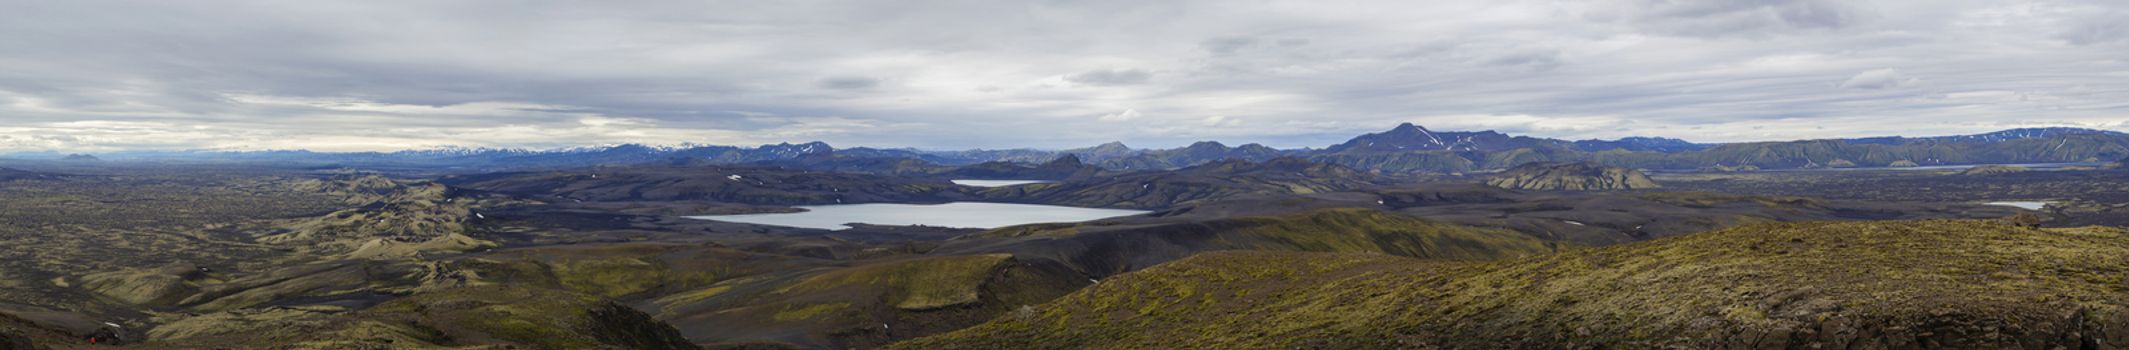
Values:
[(808, 312), (915, 284)]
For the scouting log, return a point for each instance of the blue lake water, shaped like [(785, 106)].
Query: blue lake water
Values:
[(2025, 205), (998, 183), (956, 214)]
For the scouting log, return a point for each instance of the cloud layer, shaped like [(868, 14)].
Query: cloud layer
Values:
[(93, 76)]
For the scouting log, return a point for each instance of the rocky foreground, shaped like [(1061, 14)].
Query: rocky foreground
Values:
[(1862, 285)]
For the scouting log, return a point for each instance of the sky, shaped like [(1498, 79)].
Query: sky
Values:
[(105, 76)]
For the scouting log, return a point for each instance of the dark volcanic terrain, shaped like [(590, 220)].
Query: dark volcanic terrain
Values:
[(1363, 245)]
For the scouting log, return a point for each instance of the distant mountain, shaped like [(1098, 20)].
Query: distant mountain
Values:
[(1018, 164), (1413, 149), (501, 158), (1092, 155), (633, 154), (80, 158), (843, 161), (1408, 137), (1640, 144), (1999, 136), (1405, 149), (1197, 153), (1065, 167), (1106, 151), (838, 161), (2060, 148), (1217, 180), (746, 185)]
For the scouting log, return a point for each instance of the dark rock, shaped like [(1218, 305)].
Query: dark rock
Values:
[(615, 324)]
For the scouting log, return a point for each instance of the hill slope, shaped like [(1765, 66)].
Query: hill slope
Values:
[(1571, 177), (1891, 284), (1102, 250), (13, 174), (1210, 181)]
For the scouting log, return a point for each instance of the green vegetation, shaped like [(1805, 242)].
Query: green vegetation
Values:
[(1994, 169), (916, 284), (498, 316), (1032, 230), (539, 318), (611, 271), (1711, 199), (163, 286), (809, 312), (1350, 230), (1571, 177), (1363, 230), (1960, 284), (609, 277)]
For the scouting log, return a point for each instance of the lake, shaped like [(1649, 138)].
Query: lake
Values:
[(998, 183), (2026, 205), (956, 214)]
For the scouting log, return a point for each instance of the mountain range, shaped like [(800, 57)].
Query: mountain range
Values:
[(1405, 149)]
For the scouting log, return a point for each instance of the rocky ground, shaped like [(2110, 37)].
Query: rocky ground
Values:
[(1873, 285), (175, 256)]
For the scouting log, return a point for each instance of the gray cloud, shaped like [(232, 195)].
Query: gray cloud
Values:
[(1733, 17), (2098, 28), (1878, 79), (93, 75), (1227, 46), (1539, 60), (1110, 77), (849, 83)]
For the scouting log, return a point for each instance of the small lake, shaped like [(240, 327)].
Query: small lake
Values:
[(998, 183), (956, 214), (2025, 205)]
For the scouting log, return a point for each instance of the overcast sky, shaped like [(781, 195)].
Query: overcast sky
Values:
[(99, 76)]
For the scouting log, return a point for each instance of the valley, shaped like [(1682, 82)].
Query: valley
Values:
[(824, 252)]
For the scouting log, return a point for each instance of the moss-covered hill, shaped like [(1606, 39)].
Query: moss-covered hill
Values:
[(871, 302), (481, 317), (1101, 251), (1582, 176), (1993, 170), (1887, 284)]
